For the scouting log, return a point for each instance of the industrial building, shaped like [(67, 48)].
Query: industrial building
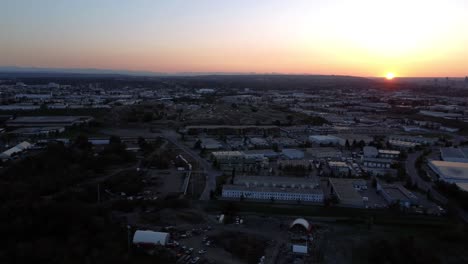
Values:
[(233, 130), (325, 152), (339, 168), (324, 140), (293, 154), (273, 193), (452, 172), (9, 153), (146, 238), (395, 193), (48, 121), (373, 152), (414, 139), (347, 191), (277, 188), (454, 154), (388, 154), (377, 163)]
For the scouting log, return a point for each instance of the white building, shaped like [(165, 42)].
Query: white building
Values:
[(389, 154), (377, 163), (275, 193), (150, 238)]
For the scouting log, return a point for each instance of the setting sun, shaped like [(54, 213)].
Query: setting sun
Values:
[(390, 76)]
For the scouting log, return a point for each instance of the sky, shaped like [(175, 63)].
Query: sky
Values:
[(417, 38)]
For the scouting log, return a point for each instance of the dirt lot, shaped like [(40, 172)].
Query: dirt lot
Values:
[(168, 181)]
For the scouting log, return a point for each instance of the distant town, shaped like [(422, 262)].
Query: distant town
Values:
[(234, 169)]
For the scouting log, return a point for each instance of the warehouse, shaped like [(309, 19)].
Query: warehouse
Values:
[(293, 154), (48, 121), (394, 193), (324, 140), (452, 172), (9, 153), (454, 154), (146, 238), (347, 191), (273, 193)]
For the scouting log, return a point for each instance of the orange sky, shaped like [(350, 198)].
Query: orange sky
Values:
[(363, 38)]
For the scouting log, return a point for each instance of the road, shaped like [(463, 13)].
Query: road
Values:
[(412, 171), (211, 174), (173, 137)]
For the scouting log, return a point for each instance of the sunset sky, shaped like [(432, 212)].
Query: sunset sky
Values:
[(363, 38)]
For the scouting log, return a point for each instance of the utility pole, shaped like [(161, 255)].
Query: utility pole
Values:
[(128, 238), (99, 193)]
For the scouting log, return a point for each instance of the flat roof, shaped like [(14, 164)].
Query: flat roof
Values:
[(388, 151), (228, 126), (231, 187), (277, 180), (463, 186), (459, 153), (448, 169), (227, 153), (345, 191), (45, 119)]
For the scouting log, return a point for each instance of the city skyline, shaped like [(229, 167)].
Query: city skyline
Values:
[(362, 38)]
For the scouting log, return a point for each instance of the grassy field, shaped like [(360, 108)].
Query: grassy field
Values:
[(344, 214)]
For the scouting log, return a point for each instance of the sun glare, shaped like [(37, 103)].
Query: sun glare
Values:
[(390, 76)]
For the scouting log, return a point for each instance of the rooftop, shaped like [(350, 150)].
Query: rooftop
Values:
[(272, 189), (453, 170)]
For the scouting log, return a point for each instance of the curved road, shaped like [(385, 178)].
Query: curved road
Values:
[(211, 174)]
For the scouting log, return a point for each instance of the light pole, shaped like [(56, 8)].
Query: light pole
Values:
[(128, 238)]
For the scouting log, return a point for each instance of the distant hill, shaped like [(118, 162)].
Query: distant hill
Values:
[(49, 72)]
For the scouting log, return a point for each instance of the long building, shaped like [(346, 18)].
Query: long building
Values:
[(452, 172), (48, 121), (274, 188), (273, 193)]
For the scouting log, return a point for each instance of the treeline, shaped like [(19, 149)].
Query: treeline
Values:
[(46, 219)]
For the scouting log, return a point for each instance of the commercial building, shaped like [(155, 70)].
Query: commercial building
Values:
[(37, 131), (146, 238), (48, 121), (324, 140), (211, 144), (377, 163), (339, 168), (395, 193), (452, 172), (347, 191), (402, 144), (228, 161), (9, 153), (293, 154), (274, 188), (454, 154), (388, 154), (324, 152), (273, 193), (233, 130), (414, 139), (370, 152)]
